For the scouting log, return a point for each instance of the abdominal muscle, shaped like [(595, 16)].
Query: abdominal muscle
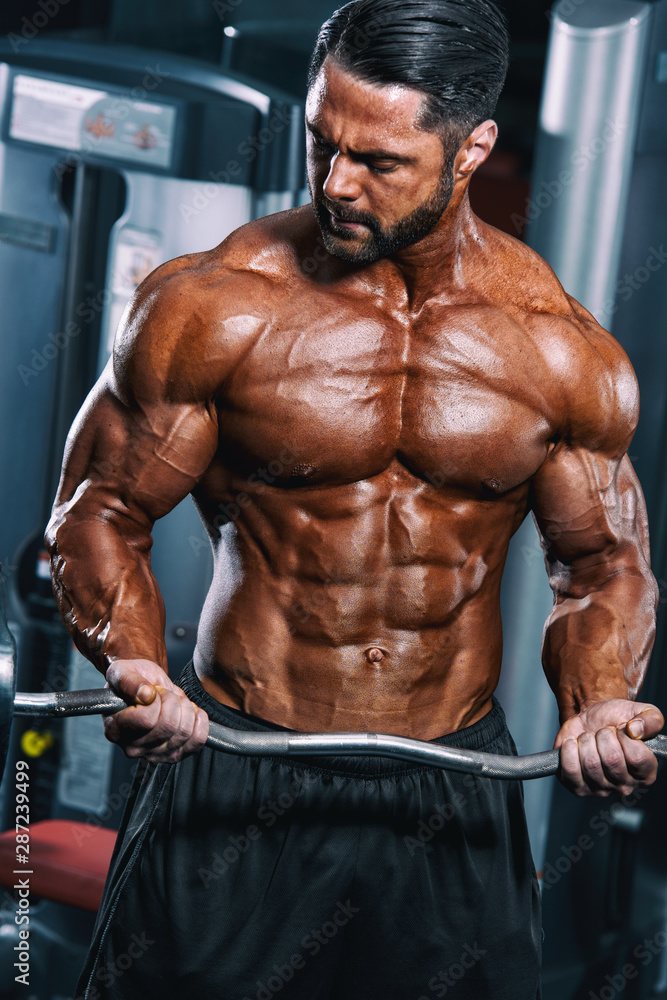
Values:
[(384, 623)]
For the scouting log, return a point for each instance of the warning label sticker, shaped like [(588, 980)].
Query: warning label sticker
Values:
[(92, 121)]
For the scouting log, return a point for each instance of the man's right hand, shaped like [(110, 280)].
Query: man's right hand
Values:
[(161, 723)]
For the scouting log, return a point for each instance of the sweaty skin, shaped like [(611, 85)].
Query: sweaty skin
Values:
[(362, 440)]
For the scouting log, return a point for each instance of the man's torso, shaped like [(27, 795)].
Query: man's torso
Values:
[(374, 462)]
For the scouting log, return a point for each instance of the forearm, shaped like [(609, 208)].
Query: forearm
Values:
[(104, 587), (597, 643)]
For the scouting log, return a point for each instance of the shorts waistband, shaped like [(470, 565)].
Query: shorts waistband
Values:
[(481, 735)]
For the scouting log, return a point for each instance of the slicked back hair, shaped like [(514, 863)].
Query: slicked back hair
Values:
[(455, 51)]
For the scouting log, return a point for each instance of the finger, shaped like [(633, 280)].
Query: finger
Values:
[(138, 722), (181, 745), (176, 724), (646, 723), (170, 727), (189, 735), (642, 764), (613, 761), (199, 733), (562, 736), (132, 723), (592, 771), (180, 728), (570, 767)]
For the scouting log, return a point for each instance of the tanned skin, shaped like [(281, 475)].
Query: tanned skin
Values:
[(362, 440)]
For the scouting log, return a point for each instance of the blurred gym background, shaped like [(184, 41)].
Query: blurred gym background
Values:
[(132, 131)]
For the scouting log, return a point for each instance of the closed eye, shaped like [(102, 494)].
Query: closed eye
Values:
[(370, 160), (320, 143), (381, 170)]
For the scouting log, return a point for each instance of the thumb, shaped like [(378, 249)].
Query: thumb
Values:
[(131, 683), (647, 722)]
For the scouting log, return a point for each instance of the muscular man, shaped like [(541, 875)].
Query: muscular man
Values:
[(416, 383)]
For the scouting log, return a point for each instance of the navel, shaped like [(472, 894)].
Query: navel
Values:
[(302, 471)]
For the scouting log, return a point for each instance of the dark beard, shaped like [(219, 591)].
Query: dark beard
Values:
[(381, 242)]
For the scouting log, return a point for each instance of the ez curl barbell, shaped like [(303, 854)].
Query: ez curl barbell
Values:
[(103, 701), (66, 704)]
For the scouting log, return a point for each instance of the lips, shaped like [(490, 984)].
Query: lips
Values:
[(350, 225), (344, 222)]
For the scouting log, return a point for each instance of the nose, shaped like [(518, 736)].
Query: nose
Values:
[(343, 183)]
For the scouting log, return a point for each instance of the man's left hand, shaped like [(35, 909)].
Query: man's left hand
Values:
[(601, 748)]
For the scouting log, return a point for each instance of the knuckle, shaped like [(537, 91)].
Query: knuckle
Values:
[(168, 727), (593, 768), (614, 761), (636, 755), (139, 716), (187, 718), (173, 709), (646, 773)]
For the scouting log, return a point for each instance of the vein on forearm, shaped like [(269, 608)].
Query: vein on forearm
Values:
[(104, 586), (598, 638)]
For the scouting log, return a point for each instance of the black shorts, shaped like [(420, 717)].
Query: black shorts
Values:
[(330, 878)]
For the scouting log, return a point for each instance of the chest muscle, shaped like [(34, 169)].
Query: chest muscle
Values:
[(456, 400)]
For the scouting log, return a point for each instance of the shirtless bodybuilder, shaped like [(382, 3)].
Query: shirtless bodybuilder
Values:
[(365, 398)]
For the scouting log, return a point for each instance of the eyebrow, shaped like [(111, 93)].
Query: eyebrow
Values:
[(374, 154)]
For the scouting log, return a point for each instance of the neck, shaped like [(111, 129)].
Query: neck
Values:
[(436, 263)]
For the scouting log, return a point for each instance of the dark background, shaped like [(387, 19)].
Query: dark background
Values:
[(196, 28), (595, 918)]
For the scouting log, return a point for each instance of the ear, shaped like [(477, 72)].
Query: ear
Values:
[(476, 148)]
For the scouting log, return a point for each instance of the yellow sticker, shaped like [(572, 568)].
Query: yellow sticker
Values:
[(34, 744)]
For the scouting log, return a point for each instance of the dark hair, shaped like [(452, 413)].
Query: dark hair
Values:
[(455, 51)]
